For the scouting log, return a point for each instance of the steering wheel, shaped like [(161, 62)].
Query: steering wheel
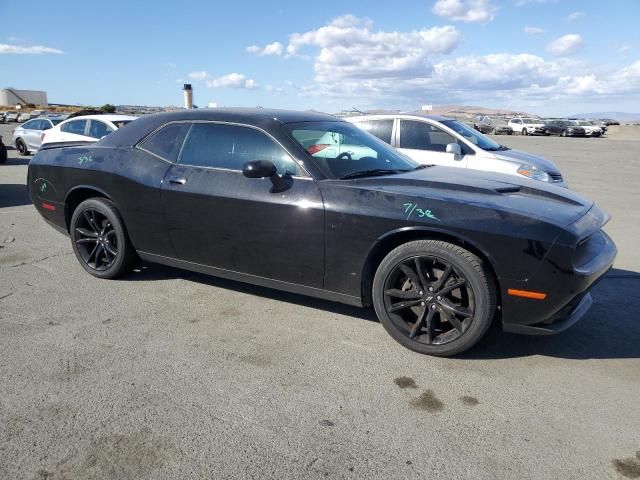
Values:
[(344, 155)]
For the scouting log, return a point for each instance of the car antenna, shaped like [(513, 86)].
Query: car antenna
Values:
[(358, 110)]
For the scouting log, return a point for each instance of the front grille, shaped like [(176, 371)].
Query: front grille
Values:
[(555, 177)]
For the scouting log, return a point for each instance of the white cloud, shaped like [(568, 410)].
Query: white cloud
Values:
[(533, 30), (232, 80), (198, 75), (575, 16), (347, 48), (34, 50), (275, 48), (565, 45), (469, 11)]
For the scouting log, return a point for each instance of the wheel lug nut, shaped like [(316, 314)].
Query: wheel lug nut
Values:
[(422, 303), (431, 289), (421, 293), (439, 297), (433, 306)]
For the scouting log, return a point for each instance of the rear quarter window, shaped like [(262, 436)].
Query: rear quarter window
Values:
[(167, 142)]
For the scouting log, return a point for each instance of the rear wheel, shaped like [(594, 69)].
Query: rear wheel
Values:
[(563, 133), (99, 239), (21, 147), (434, 297), (524, 132)]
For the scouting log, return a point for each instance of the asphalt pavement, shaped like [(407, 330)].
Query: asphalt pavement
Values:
[(169, 374)]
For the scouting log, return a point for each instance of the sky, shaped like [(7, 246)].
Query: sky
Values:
[(550, 57)]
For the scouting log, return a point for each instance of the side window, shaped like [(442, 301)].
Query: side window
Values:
[(75, 126), (380, 128), (167, 141), (30, 125), (99, 129), (423, 136), (230, 146), (517, 120)]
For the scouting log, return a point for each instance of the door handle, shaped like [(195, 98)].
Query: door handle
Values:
[(177, 180)]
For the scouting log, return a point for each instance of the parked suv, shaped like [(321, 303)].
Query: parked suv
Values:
[(527, 126), (436, 140)]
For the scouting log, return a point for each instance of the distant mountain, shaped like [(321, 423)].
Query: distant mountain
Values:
[(620, 116)]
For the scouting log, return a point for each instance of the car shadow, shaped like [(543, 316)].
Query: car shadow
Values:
[(150, 272), (13, 195), (611, 329)]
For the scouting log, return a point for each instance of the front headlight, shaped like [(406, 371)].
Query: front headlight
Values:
[(534, 172)]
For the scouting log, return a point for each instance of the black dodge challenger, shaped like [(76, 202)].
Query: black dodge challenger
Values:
[(311, 204)]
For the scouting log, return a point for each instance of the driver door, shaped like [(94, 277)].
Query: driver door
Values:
[(218, 217), (427, 144)]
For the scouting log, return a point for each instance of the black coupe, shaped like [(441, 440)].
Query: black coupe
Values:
[(311, 204)]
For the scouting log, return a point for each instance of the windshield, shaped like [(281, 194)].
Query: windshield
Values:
[(529, 121), (474, 136), (55, 121), (341, 149)]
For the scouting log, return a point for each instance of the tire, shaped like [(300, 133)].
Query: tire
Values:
[(3, 153), (21, 147), (443, 337), (563, 133), (113, 255), (524, 132)]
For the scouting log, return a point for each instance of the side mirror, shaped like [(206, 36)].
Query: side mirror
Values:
[(456, 150), (259, 169)]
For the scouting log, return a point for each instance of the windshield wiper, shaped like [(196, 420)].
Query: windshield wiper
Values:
[(371, 173), (420, 167)]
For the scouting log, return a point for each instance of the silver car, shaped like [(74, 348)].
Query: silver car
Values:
[(437, 140), (28, 136)]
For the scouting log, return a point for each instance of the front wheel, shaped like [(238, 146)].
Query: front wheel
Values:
[(99, 239), (563, 133), (21, 147), (434, 297), (524, 132)]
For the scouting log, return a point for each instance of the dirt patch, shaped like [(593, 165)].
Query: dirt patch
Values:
[(469, 400), (428, 402), (326, 423), (628, 467), (120, 456), (256, 360), (405, 382)]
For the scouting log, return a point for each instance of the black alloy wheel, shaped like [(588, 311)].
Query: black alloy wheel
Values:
[(434, 297), (99, 239), (96, 240), (21, 147), (524, 132)]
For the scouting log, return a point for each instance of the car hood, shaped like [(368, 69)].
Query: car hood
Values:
[(519, 157), (531, 198)]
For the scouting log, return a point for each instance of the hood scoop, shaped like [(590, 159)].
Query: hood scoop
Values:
[(510, 189)]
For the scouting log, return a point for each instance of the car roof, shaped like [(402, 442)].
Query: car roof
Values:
[(270, 120), (407, 116)]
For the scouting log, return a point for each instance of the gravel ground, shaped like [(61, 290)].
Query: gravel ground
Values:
[(169, 374)]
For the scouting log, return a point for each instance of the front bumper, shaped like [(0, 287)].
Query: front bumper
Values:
[(567, 317), (568, 298)]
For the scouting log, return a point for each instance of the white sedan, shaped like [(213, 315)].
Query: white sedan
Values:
[(86, 128)]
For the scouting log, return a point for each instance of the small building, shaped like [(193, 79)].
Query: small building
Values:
[(12, 96)]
